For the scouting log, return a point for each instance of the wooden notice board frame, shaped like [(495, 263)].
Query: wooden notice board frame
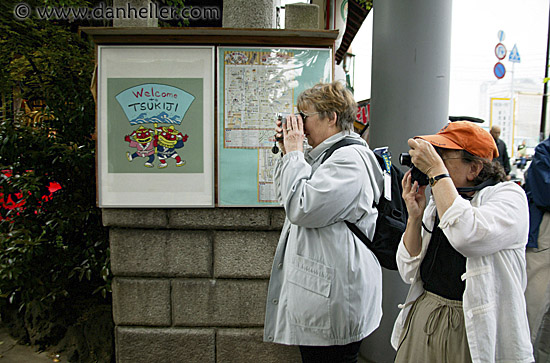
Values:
[(215, 37)]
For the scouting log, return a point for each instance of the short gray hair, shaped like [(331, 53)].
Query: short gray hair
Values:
[(327, 98)]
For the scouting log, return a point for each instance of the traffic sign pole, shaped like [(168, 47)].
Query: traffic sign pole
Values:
[(512, 101), (514, 58)]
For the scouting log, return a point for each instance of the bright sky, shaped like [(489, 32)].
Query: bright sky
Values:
[(474, 37)]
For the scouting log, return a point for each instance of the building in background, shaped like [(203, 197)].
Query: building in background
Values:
[(494, 106)]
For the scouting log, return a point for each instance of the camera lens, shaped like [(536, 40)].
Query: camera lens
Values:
[(405, 159)]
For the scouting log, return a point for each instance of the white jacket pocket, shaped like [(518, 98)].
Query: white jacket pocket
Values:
[(309, 293)]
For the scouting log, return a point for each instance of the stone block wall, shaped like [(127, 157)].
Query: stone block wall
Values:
[(190, 285)]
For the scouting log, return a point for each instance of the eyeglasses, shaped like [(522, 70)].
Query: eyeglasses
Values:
[(305, 115)]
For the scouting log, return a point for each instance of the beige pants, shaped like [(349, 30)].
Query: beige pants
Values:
[(434, 332)]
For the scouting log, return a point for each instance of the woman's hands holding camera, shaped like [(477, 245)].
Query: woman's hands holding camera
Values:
[(425, 158), (292, 132), (414, 196), (428, 161)]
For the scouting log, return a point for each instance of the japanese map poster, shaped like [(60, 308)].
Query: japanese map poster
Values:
[(254, 84)]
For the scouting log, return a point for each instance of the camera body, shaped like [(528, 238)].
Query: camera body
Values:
[(416, 174), (281, 117)]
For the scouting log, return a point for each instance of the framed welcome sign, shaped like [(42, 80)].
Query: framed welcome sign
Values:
[(155, 126)]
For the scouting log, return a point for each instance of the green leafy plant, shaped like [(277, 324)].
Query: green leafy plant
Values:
[(55, 250)]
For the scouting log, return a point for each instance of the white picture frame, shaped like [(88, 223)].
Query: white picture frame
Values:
[(161, 79)]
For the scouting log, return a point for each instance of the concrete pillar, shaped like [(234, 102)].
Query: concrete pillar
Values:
[(410, 70), (301, 16), (410, 96), (322, 12), (132, 18), (248, 14)]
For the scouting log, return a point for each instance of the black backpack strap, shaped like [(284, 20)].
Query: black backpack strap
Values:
[(344, 142)]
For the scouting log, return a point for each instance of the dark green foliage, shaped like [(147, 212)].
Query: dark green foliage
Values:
[(55, 250)]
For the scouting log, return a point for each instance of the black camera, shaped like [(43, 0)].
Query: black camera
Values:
[(416, 174), (280, 117)]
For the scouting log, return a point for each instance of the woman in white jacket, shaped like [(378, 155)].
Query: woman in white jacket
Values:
[(325, 290), (463, 254)]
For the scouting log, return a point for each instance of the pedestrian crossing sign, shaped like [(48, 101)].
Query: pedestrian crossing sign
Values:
[(514, 55)]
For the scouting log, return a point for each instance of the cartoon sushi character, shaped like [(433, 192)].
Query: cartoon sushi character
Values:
[(142, 140), (168, 140)]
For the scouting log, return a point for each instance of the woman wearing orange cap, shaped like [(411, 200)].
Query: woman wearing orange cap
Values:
[(463, 253)]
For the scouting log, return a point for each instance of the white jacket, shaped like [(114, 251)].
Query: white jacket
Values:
[(491, 232), (326, 285)]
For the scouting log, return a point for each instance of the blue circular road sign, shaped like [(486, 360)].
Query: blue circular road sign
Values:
[(499, 70)]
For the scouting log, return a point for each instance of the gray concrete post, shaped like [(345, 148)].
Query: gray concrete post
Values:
[(248, 14), (131, 9), (410, 70), (301, 16), (410, 96)]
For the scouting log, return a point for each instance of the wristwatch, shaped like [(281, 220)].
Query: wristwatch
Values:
[(434, 179)]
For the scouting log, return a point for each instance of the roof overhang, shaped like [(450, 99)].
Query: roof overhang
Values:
[(356, 16)]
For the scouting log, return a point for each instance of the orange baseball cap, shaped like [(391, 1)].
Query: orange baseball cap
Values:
[(464, 135)]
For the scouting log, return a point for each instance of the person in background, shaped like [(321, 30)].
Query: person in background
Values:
[(502, 158), (522, 155), (537, 294), (325, 290), (463, 254)]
